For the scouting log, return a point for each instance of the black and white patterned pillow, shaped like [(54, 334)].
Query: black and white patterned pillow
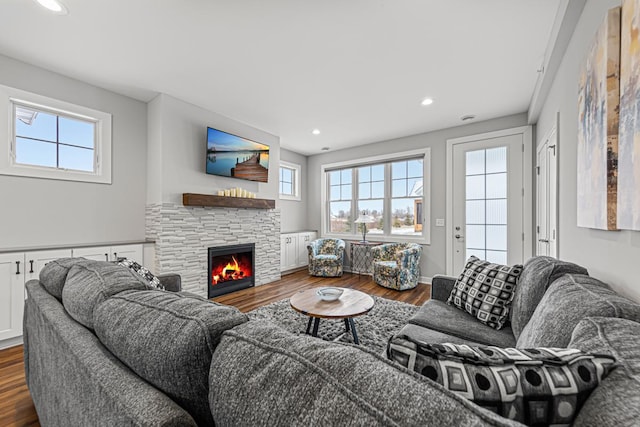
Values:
[(143, 272), (485, 291), (543, 386)]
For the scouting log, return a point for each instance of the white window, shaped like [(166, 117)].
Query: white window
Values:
[(289, 183), (392, 191), (53, 139)]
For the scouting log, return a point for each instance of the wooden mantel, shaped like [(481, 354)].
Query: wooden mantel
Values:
[(208, 200)]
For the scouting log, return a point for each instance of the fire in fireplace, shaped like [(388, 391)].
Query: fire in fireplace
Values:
[(231, 268)]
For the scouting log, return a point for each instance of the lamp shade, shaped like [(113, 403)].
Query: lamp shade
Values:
[(363, 219)]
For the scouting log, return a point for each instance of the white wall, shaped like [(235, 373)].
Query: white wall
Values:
[(294, 215), (433, 255), (177, 142), (39, 212), (611, 256)]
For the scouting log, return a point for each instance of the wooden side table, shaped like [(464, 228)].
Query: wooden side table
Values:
[(360, 256), (351, 303)]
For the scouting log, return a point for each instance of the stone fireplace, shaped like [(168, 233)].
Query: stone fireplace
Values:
[(183, 234)]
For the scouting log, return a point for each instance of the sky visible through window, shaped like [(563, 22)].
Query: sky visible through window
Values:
[(55, 141)]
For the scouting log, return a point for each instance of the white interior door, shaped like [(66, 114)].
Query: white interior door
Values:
[(546, 197), (487, 200)]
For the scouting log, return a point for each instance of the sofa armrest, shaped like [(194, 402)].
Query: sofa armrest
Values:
[(441, 287), (171, 282)]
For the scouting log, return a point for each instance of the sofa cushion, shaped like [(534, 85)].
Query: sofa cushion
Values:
[(143, 272), (616, 402), (88, 284), (537, 275), (54, 274), (167, 338), (422, 334), (301, 380), (444, 318), (485, 291), (543, 386), (567, 301)]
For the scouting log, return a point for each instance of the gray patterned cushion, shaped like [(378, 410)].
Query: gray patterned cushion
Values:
[(616, 402), (298, 380), (143, 272), (485, 291), (175, 334), (544, 386), (537, 275), (89, 284), (567, 301)]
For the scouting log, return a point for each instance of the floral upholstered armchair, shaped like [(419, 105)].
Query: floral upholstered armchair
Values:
[(326, 257), (396, 265)]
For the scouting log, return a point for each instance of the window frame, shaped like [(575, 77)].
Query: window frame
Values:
[(11, 97), (296, 169), (355, 234)]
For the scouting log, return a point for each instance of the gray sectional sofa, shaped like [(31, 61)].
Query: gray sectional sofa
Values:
[(103, 349)]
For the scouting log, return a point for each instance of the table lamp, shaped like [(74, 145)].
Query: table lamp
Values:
[(364, 219)]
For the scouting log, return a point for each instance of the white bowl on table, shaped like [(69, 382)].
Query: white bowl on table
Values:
[(330, 293)]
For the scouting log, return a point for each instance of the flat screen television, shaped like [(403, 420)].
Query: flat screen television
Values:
[(236, 157)]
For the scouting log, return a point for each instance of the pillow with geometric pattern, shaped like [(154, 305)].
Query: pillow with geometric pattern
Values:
[(485, 291), (544, 386), (143, 272)]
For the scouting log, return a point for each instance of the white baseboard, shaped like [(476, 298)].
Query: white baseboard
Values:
[(10, 342)]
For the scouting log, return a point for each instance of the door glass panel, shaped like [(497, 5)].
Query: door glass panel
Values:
[(486, 204), (475, 187), (475, 211), (496, 212), (497, 186), (496, 237), (475, 237), (475, 162), (496, 160)]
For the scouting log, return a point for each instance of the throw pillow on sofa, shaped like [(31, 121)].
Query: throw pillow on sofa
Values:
[(485, 291), (533, 386), (143, 272)]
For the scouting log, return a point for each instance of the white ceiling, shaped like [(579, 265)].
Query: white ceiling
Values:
[(356, 69)]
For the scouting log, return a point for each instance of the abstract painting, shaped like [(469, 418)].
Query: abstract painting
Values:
[(598, 109), (629, 142)]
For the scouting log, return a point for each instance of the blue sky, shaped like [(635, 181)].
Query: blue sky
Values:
[(225, 141)]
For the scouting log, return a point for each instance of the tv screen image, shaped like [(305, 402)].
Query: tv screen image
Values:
[(236, 157)]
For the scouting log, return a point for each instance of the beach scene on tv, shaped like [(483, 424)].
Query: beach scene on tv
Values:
[(236, 157)]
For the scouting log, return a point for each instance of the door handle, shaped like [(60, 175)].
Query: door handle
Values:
[(458, 236), (543, 240)]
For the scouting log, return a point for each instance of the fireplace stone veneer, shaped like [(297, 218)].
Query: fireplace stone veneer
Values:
[(183, 235)]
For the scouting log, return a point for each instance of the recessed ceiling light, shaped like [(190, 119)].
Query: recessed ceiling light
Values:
[(467, 117), (316, 131), (427, 101), (53, 6), (325, 148)]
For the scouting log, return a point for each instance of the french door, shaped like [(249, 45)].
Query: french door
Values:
[(486, 199)]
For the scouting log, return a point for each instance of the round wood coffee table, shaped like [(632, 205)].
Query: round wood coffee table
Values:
[(350, 304)]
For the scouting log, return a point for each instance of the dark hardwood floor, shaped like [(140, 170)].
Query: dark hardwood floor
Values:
[(16, 406)]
